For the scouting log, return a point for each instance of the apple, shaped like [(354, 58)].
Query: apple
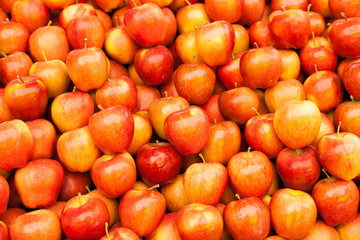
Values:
[(317, 23), (72, 110), (250, 173), (105, 19), (15, 135), (146, 95), (326, 127), (260, 35), (84, 217), (14, 37), (74, 183), (322, 7), (114, 175), (349, 76), (143, 132), (76, 150), (293, 213), (57, 4), (109, 6), (191, 17), (229, 74), (119, 233), (186, 48), (5, 114), (74, 11), (117, 70), (241, 39), (4, 233), (239, 218), (211, 107), (174, 194), (38, 224), (350, 230), (112, 129), (289, 4), (170, 26), (142, 211), (347, 113), (5, 193), (10, 215), (322, 231), (338, 196), (7, 5), (167, 229), (199, 221), (13, 65), (222, 10), (57, 208), (348, 7), (188, 130), (290, 63), (253, 10)]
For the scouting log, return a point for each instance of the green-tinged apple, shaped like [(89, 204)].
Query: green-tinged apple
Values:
[(174, 194), (188, 130), (112, 129), (84, 217), (5, 193), (250, 173), (224, 10), (15, 135), (348, 113), (76, 150), (247, 219), (142, 211), (74, 183), (38, 224), (44, 137), (13, 37), (114, 175), (13, 65), (337, 201), (72, 110), (293, 213), (191, 17)]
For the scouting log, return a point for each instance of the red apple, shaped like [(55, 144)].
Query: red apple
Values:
[(4, 233), (109, 6), (322, 7), (5, 114), (73, 184), (5, 193), (119, 233), (13, 65), (13, 37), (16, 144), (10, 215), (322, 231), (349, 77), (117, 70), (57, 4), (143, 132), (167, 229), (171, 26), (187, 49), (253, 11), (230, 75), (347, 113), (74, 11), (211, 107), (289, 4), (223, 10), (350, 230), (290, 63), (191, 17), (348, 7), (317, 23), (174, 194), (260, 34), (146, 95), (293, 213), (7, 5)]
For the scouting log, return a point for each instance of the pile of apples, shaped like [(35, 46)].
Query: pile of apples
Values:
[(179, 119)]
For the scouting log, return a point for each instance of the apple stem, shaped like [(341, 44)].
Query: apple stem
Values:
[(257, 112), (202, 158), (343, 15), (85, 40), (79, 195), (49, 23), (215, 122), (232, 56), (166, 94), (153, 187), (157, 141), (316, 69), (256, 45), (352, 98), (44, 56), (7, 19), (18, 77), (248, 151), (308, 8), (133, 2), (107, 230), (237, 196), (187, 2), (326, 173), (235, 85), (116, 21), (338, 130), (297, 95), (313, 36), (76, 2), (87, 188), (298, 151), (283, 8), (2, 53), (207, 22), (100, 107)]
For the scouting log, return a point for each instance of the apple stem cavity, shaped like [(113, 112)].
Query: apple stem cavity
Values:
[(338, 130), (256, 45), (44, 56), (2, 53), (257, 113), (116, 21), (326, 173), (85, 40), (20, 79), (202, 158), (308, 8), (187, 2), (153, 187), (237, 196), (49, 23)]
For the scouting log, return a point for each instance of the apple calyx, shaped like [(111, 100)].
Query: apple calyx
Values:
[(44, 56), (338, 130), (202, 158), (257, 113), (154, 187)]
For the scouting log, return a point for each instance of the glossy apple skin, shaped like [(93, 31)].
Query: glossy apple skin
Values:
[(76, 150), (350, 75), (187, 49), (146, 95), (109, 6), (5, 193), (4, 233), (236, 104), (317, 23), (13, 65), (219, 36), (84, 217), (23, 12), (223, 10), (339, 153), (192, 17), (18, 95), (348, 113), (15, 135), (167, 229), (350, 8), (260, 135), (120, 233), (117, 70), (199, 221), (322, 231), (195, 82), (87, 68), (14, 37), (72, 110), (299, 169), (154, 65), (293, 213), (238, 217), (342, 35), (73, 184), (50, 39), (229, 74), (290, 28), (5, 114), (209, 192), (114, 175), (7, 5), (39, 182), (145, 24), (188, 130), (74, 11), (142, 211), (10, 215), (112, 129), (253, 10), (224, 142), (261, 67), (143, 133), (326, 127), (57, 5), (291, 65), (297, 123), (174, 194), (117, 91), (158, 163), (350, 230), (170, 26), (339, 197), (259, 33), (322, 7), (250, 173), (211, 107), (39, 224), (44, 137)]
